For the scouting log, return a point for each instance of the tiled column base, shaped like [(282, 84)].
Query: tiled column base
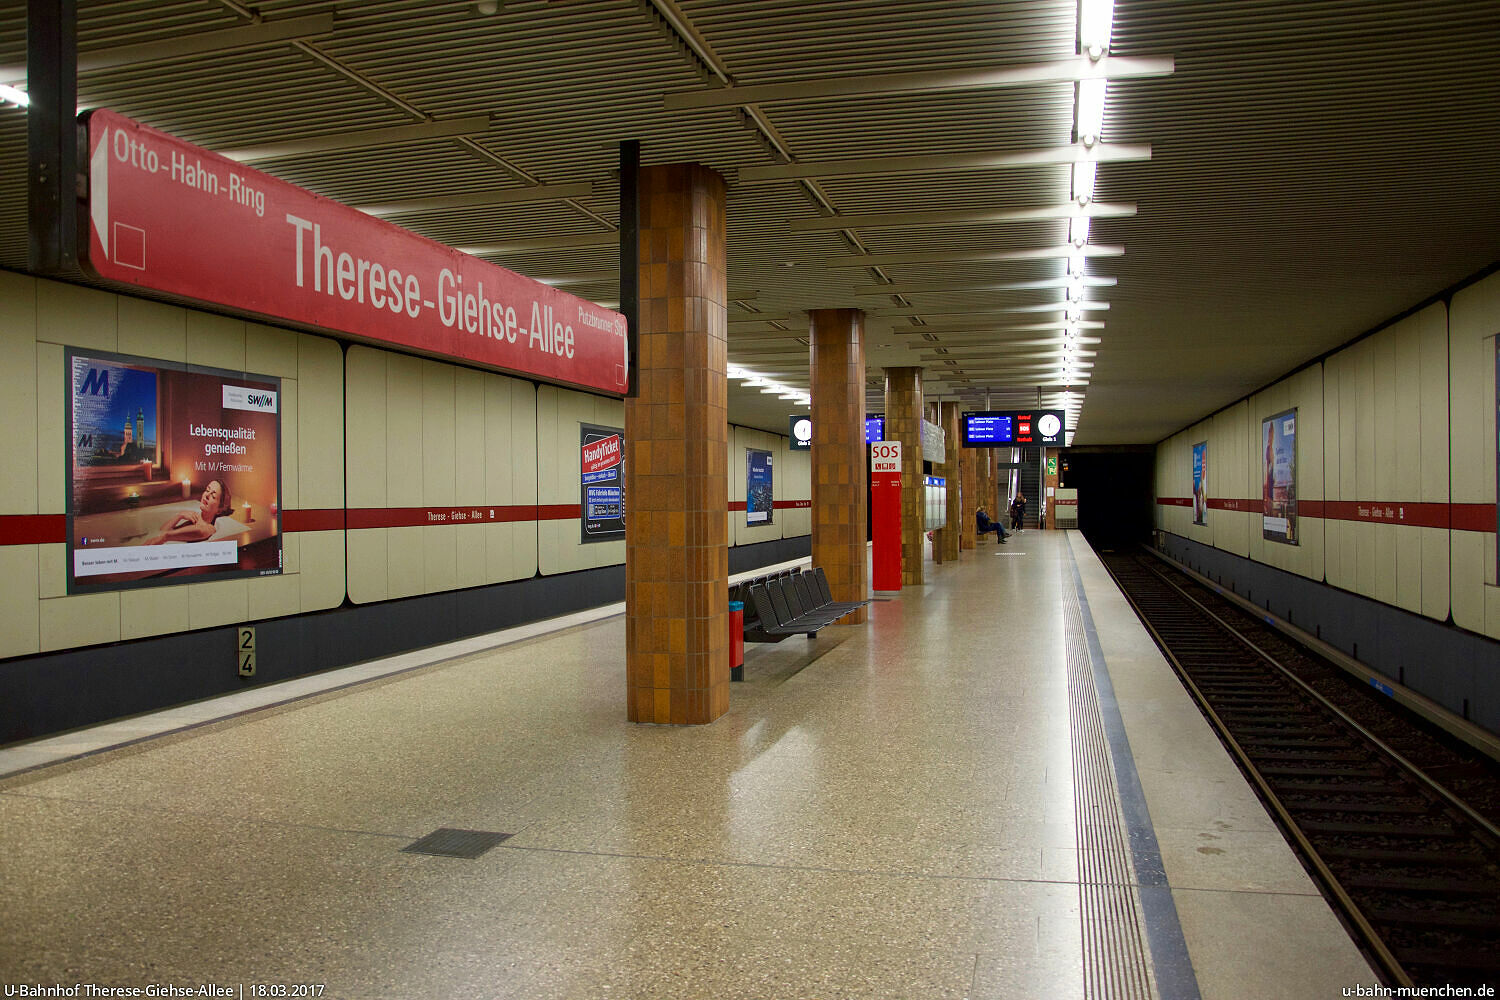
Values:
[(676, 436)]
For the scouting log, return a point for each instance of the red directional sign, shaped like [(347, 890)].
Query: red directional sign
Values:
[(167, 215)]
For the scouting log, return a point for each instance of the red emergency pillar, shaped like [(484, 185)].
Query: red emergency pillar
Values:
[(885, 513)]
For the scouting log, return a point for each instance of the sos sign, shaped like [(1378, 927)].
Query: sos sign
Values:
[(885, 456)]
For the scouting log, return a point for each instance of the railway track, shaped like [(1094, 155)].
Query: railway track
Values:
[(1395, 821)]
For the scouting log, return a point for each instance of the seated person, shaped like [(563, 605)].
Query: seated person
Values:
[(196, 525), (982, 524)]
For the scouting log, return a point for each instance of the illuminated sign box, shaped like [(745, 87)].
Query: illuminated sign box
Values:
[(172, 217), (1001, 428), (800, 438)]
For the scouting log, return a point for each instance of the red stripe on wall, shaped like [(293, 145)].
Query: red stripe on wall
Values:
[(33, 529), (1422, 515), (793, 505), (410, 517), (557, 512), (1473, 516), (327, 519), (1457, 516), (1253, 506)]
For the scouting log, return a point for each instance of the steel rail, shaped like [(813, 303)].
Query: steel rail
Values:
[(1412, 769), (1372, 941)]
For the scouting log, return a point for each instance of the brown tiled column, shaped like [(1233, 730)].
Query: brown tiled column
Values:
[(837, 356), (967, 475), (948, 419), (676, 435), (903, 422)]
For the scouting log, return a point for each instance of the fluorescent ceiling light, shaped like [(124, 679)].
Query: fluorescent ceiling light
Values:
[(475, 199), (544, 243), (919, 220), (1095, 23), (394, 135), (11, 95), (1084, 173), (902, 311), (866, 166), (1057, 71), (263, 34), (982, 285), (1090, 110), (964, 256), (1078, 231)]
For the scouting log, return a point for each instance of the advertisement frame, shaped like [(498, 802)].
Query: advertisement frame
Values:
[(607, 529), (76, 585), (1200, 483), (767, 472), (1287, 506)]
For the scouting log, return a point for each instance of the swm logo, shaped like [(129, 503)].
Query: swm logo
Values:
[(95, 383)]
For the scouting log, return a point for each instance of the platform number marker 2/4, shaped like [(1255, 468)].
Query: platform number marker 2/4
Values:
[(245, 650)]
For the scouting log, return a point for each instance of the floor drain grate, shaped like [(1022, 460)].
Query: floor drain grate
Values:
[(449, 843)]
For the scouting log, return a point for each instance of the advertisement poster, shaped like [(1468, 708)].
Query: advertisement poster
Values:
[(601, 483), (1200, 483), (173, 473), (1279, 481), (760, 503)]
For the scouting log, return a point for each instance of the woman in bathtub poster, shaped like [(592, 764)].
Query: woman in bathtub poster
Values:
[(173, 473)]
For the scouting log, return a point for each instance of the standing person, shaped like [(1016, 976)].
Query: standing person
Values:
[(1018, 511)]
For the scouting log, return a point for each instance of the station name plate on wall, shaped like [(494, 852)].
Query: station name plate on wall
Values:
[(169, 216)]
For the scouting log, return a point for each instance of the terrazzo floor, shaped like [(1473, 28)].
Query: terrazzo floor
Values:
[(886, 812)]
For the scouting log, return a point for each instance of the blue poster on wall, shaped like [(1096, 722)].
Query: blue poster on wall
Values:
[(1200, 483), (601, 482), (1279, 478), (760, 500)]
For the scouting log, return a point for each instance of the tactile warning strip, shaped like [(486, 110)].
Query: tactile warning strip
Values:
[(1133, 947), (446, 842), (1115, 959)]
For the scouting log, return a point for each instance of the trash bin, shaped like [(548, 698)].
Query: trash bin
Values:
[(736, 640)]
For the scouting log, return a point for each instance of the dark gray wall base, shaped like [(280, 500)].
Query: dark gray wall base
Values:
[(744, 558), (55, 692), (1457, 669)]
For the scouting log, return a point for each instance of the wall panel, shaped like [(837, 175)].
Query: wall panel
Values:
[(1474, 322), (39, 319), (559, 412), (18, 396), (1436, 466), (797, 467), (426, 434), (1302, 391), (20, 606), (511, 476), (1235, 479), (741, 440)]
